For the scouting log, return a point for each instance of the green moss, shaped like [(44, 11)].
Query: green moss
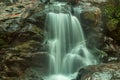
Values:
[(36, 30), (90, 16), (112, 24), (112, 16), (109, 11), (112, 11), (28, 46)]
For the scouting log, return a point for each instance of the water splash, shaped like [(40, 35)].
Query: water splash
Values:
[(57, 77), (61, 77)]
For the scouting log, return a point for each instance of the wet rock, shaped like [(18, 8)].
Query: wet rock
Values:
[(109, 71), (91, 16), (90, 19)]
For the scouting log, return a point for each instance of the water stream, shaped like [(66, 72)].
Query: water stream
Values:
[(67, 46)]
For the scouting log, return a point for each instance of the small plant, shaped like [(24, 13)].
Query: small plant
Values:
[(112, 11), (112, 14), (109, 11)]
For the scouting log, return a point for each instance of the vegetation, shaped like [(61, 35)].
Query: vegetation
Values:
[(112, 12)]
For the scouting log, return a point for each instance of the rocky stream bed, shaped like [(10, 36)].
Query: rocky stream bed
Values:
[(23, 50)]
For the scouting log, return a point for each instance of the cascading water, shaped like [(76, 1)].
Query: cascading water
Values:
[(67, 46)]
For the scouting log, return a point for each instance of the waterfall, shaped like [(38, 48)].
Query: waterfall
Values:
[(67, 45)]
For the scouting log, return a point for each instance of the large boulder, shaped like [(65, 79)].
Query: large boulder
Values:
[(109, 71)]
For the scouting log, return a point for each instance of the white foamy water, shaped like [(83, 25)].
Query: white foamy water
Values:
[(67, 45)]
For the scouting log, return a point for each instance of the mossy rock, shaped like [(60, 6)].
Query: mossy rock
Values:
[(30, 45), (2, 42), (32, 28), (91, 17), (36, 29)]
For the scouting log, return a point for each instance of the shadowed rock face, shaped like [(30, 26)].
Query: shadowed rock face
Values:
[(109, 71)]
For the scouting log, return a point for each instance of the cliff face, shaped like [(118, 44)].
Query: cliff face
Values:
[(21, 38)]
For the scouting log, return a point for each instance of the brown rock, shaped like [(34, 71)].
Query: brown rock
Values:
[(109, 71)]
